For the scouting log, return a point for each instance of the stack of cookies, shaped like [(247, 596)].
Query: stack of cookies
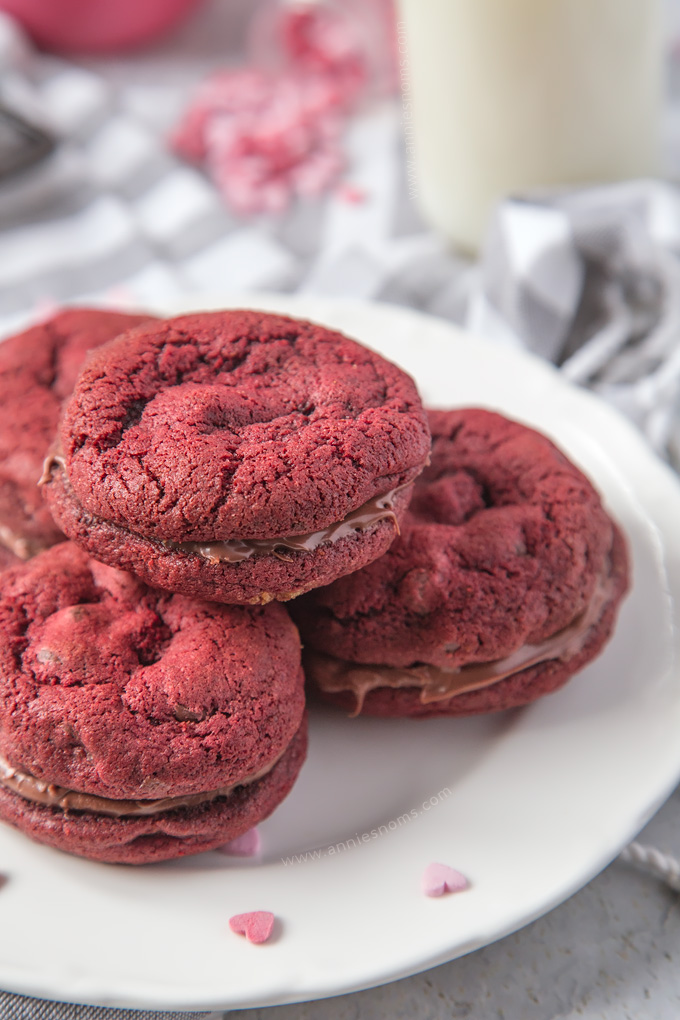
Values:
[(206, 468), (209, 467)]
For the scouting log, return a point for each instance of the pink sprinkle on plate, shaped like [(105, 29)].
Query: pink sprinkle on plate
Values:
[(256, 925), (246, 845), (440, 878)]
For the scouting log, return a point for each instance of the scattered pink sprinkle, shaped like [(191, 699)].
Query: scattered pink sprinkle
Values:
[(440, 878), (351, 193), (246, 845), (256, 925)]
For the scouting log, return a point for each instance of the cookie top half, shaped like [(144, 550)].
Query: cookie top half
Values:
[(111, 688), (238, 424)]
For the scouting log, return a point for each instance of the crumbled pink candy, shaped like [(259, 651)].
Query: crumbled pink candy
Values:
[(323, 41), (257, 925), (226, 93), (260, 159), (266, 142), (440, 878), (246, 845), (268, 138)]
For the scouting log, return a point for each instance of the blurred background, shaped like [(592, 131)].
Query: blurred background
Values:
[(124, 204), (229, 146)]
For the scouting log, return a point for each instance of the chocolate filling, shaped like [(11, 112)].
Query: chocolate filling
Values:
[(333, 675), (236, 550), (50, 795), (50, 461)]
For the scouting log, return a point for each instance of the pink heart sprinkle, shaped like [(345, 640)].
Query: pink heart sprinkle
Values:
[(256, 925), (246, 845), (440, 878)]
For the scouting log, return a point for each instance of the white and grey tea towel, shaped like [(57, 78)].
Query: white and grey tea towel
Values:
[(591, 281)]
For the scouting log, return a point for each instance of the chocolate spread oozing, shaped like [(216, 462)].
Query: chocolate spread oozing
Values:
[(52, 460), (334, 675), (236, 550), (50, 795)]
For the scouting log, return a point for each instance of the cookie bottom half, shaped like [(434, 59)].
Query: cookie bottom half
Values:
[(164, 836), (515, 691)]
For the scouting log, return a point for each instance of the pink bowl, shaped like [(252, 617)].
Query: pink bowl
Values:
[(96, 26)]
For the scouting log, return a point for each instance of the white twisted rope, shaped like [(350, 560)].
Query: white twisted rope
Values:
[(648, 858)]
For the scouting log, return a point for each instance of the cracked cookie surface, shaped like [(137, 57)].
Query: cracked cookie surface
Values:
[(116, 691), (506, 545), (235, 426), (112, 688)]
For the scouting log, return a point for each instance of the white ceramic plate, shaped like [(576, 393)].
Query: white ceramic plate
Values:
[(528, 804)]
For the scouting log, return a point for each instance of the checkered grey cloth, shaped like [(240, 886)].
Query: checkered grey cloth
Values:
[(16, 1007), (590, 280)]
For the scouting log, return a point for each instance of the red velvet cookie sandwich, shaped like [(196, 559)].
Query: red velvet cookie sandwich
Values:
[(137, 725), (505, 581), (237, 456), (37, 371)]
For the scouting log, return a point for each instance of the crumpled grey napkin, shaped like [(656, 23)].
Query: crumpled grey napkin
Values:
[(590, 280)]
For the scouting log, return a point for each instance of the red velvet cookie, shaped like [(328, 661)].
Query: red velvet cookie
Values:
[(37, 371), (237, 456), (505, 581), (136, 725), (7, 558)]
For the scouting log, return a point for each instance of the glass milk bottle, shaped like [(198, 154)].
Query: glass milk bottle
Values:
[(507, 96)]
